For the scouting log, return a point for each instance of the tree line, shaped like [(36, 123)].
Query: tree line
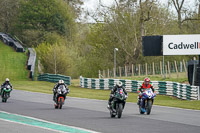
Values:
[(66, 45)]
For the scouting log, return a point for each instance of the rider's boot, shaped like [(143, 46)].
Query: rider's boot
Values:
[(109, 105)]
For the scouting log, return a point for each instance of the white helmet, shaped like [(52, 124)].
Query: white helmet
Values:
[(61, 82), (7, 79), (119, 84)]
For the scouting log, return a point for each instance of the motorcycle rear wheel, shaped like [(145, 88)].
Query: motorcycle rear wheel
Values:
[(140, 110), (111, 114), (56, 106), (60, 103)]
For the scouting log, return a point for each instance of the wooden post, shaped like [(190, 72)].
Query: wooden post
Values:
[(153, 69), (108, 74), (104, 74), (185, 67), (176, 69), (99, 74), (120, 72), (125, 71), (132, 71), (113, 72), (139, 69), (166, 71), (169, 69), (146, 68), (161, 68)]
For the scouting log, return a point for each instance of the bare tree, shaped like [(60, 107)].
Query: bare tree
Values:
[(8, 14)]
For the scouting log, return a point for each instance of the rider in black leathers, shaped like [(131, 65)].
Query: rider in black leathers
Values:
[(60, 82), (118, 85), (7, 82)]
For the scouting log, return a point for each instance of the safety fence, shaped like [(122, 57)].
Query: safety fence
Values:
[(154, 68), (182, 91), (54, 78), (31, 62)]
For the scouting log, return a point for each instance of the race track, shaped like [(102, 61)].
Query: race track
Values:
[(93, 115)]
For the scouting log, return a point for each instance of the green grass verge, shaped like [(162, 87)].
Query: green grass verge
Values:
[(75, 91), (12, 64)]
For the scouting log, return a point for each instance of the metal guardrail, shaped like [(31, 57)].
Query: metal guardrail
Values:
[(31, 62)]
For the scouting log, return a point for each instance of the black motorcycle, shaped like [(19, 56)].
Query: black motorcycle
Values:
[(60, 96), (118, 103)]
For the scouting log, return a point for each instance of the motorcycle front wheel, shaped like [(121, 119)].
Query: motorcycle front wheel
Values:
[(119, 111), (149, 105)]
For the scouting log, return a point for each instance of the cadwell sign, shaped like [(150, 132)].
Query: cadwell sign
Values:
[(181, 44)]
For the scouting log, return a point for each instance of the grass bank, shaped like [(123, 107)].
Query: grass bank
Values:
[(12, 64)]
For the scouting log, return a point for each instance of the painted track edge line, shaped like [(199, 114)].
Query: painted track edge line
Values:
[(50, 122), (32, 125)]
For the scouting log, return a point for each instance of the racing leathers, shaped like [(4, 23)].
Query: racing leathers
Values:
[(55, 90)]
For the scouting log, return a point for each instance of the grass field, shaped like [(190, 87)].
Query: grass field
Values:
[(12, 64)]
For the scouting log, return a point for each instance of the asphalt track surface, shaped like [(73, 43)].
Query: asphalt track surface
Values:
[(93, 115)]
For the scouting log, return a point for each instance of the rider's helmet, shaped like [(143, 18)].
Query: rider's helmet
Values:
[(146, 81), (7, 80), (119, 84), (60, 82)]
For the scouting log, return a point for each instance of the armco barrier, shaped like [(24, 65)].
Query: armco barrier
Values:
[(31, 62), (181, 91), (54, 78)]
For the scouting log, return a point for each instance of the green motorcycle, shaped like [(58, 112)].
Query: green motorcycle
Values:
[(5, 93), (118, 103)]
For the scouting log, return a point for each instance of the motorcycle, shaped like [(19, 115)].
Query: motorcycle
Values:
[(60, 96), (5, 93), (148, 96), (118, 103)]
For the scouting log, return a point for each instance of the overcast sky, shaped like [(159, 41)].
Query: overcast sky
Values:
[(91, 5)]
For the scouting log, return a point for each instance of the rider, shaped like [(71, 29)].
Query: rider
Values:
[(6, 83), (60, 82), (146, 84), (118, 85)]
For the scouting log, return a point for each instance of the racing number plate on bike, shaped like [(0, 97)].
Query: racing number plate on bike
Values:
[(121, 91)]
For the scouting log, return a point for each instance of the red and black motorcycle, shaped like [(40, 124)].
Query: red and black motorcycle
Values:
[(60, 96)]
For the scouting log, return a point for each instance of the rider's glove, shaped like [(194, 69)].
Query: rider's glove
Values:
[(126, 96), (111, 95), (140, 94)]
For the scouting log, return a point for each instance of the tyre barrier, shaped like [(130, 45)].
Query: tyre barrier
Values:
[(181, 91), (54, 78)]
